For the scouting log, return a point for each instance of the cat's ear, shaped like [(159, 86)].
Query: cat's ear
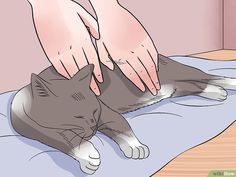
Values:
[(84, 75), (39, 87)]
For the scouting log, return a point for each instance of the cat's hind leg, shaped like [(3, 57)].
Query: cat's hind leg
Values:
[(117, 128), (214, 92), (216, 87), (200, 88), (225, 82)]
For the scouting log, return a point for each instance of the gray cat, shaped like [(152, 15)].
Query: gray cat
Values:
[(65, 114)]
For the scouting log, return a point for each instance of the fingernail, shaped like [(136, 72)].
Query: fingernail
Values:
[(99, 78), (111, 66), (143, 89), (157, 85), (154, 91), (97, 91)]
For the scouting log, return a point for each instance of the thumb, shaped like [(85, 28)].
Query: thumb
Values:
[(89, 21)]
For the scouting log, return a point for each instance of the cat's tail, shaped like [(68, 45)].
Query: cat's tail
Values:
[(225, 82)]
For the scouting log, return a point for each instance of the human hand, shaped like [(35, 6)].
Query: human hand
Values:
[(124, 40), (64, 29)]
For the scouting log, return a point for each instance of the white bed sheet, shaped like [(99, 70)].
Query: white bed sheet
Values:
[(168, 128)]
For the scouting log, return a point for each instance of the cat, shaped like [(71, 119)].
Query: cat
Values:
[(66, 114)]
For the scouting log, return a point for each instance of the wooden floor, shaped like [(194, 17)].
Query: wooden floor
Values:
[(216, 154), (218, 55)]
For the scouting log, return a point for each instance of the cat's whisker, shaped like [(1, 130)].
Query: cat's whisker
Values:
[(76, 135), (120, 132), (7, 136), (72, 125), (40, 153), (75, 132), (71, 129), (82, 138), (66, 139), (105, 124), (64, 131)]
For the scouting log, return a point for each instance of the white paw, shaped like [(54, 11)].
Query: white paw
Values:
[(134, 149), (214, 92), (88, 157)]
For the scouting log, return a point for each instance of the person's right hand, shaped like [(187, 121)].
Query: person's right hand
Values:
[(64, 29), (124, 41)]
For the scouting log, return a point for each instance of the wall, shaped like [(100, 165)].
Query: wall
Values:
[(180, 26), (229, 24), (21, 53)]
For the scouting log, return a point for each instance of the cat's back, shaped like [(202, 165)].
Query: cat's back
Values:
[(123, 96)]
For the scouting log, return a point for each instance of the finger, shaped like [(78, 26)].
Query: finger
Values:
[(148, 62), (92, 57), (104, 55), (88, 20), (143, 74), (60, 68), (94, 87), (129, 72), (158, 84), (69, 65), (82, 61), (154, 55)]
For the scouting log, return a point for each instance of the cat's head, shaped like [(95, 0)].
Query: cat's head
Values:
[(66, 104)]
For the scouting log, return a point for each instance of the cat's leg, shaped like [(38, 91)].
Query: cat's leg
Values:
[(225, 82), (200, 88), (65, 140), (80, 149), (214, 92), (117, 128)]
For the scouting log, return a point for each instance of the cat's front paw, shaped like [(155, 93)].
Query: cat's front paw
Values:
[(134, 149), (88, 156)]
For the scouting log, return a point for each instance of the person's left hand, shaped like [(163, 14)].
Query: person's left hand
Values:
[(125, 41)]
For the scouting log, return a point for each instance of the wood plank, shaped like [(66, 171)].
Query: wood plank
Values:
[(217, 154), (218, 55)]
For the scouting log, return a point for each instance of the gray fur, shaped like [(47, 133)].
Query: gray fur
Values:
[(65, 114)]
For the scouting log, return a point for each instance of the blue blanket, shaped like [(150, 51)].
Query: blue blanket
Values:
[(169, 128)]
